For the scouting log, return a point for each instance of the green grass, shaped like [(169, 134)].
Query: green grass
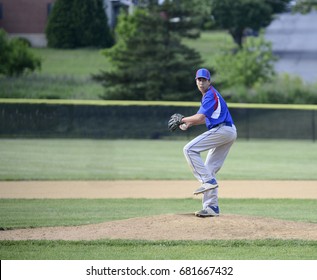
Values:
[(49, 87), (17, 213), (84, 62), (139, 159), (20, 213), (56, 159), (159, 250), (78, 63), (211, 44), (25, 213), (66, 74)]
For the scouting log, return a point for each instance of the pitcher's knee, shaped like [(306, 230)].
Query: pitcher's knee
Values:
[(189, 151), (186, 150)]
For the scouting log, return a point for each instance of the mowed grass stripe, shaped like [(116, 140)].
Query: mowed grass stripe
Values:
[(84, 159), (159, 250)]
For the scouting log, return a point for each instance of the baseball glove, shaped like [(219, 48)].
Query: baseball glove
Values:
[(175, 121)]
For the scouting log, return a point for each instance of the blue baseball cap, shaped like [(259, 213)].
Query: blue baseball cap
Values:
[(203, 73)]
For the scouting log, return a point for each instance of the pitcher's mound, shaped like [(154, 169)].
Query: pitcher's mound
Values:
[(174, 227)]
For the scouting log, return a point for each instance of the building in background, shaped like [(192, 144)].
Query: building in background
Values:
[(25, 19), (294, 41), (113, 7), (28, 18)]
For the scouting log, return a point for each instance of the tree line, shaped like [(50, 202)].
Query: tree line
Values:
[(149, 59)]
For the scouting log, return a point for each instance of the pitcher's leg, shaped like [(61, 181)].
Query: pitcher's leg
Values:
[(210, 198), (214, 161), (216, 157), (192, 154)]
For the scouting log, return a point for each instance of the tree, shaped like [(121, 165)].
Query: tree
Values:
[(15, 57), (253, 64), (236, 16), (149, 61), (187, 17), (60, 29), (92, 24), (78, 23)]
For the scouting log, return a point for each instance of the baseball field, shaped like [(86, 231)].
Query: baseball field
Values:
[(132, 199)]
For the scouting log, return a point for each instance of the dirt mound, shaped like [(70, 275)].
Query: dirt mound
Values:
[(173, 227)]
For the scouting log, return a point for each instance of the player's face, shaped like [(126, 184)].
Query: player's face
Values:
[(202, 84)]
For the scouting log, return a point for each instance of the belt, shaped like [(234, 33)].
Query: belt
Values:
[(222, 124)]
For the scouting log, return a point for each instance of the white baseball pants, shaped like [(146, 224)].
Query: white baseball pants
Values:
[(218, 141)]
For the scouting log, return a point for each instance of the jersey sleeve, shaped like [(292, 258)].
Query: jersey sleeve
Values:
[(207, 106)]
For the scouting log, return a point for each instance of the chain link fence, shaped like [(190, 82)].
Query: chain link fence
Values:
[(52, 120)]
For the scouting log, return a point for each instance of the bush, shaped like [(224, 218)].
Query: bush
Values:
[(15, 57), (24, 41), (288, 90), (248, 66), (284, 89)]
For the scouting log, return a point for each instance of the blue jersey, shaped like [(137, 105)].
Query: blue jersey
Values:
[(215, 109)]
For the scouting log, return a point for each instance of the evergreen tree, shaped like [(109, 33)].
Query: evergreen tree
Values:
[(60, 29), (150, 62), (78, 23), (91, 24)]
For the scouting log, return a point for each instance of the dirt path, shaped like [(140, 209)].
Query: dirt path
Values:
[(165, 227), (155, 189)]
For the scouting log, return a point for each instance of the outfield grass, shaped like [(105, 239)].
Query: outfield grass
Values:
[(57, 159)]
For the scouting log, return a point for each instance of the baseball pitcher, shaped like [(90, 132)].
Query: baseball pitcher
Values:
[(217, 140)]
